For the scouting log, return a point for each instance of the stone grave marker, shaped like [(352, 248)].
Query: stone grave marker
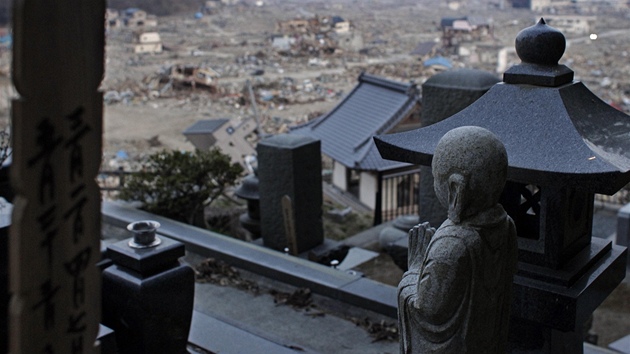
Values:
[(289, 170)]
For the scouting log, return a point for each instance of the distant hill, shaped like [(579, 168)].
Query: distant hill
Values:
[(158, 7)]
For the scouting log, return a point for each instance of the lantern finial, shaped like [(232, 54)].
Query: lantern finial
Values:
[(540, 44), (540, 47)]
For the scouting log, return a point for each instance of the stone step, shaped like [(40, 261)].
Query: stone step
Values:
[(593, 349), (219, 336), (344, 198), (621, 345)]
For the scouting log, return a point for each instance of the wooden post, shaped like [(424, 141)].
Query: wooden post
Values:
[(289, 224), (58, 61)]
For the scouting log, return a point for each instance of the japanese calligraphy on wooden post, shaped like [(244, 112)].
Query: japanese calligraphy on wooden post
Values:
[(57, 127)]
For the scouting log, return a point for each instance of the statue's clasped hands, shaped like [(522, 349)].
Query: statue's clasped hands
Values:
[(419, 238)]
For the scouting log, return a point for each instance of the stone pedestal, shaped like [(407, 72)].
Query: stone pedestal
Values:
[(289, 170), (148, 297)]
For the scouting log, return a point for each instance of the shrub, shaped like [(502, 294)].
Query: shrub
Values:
[(179, 185)]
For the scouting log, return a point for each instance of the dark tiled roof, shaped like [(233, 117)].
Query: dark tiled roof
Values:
[(448, 21), (424, 48), (206, 126), (373, 107), (337, 19)]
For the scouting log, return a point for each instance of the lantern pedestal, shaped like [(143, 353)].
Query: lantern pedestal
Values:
[(550, 308)]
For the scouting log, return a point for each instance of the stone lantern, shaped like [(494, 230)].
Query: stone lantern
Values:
[(248, 190), (564, 145)]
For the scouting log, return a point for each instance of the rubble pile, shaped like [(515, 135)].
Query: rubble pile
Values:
[(302, 58), (604, 69)]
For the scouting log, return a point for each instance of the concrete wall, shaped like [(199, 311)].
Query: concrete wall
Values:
[(571, 24), (340, 176), (539, 5), (148, 48), (342, 27), (368, 185), (232, 140), (149, 37)]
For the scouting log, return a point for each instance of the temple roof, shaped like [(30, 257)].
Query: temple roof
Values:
[(375, 106), (205, 126)]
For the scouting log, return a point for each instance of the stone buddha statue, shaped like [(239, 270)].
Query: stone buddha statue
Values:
[(456, 295)]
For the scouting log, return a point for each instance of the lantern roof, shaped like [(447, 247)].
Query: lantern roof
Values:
[(556, 132), (248, 189)]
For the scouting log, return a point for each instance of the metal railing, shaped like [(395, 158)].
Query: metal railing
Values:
[(398, 195), (620, 198)]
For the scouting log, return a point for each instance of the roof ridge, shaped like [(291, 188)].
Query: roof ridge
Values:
[(305, 124), (386, 83)]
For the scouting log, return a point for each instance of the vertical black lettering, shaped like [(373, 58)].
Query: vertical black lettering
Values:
[(47, 292), (75, 325), (46, 220), (75, 268), (77, 345), (79, 129), (77, 211)]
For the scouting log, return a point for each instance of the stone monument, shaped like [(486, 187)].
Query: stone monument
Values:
[(456, 295), (290, 174)]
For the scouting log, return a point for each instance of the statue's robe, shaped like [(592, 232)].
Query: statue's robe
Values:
[(459, 300)]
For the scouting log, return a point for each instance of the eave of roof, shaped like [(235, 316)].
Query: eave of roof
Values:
[(205, 126)]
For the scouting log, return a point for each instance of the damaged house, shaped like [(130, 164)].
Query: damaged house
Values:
[(134, 17), (340, 25), (456, 30), (112, 18), (223, 133), (313, 36), (147, 42), (375, 106), (194, 76), (299, 25), (572, 24)]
